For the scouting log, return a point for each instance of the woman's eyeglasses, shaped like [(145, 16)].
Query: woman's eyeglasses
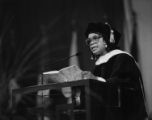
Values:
[(93, 39)]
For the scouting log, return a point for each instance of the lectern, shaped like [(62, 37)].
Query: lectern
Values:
[(95, 101)]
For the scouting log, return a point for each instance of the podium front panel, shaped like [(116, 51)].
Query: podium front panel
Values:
[(91, 100)]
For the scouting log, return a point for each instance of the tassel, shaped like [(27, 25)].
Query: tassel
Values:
[(112, 39)]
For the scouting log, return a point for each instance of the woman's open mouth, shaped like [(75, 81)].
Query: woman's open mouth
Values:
[(93, 49)]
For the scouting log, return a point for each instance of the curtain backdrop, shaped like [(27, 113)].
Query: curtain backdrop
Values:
[(138, 18)]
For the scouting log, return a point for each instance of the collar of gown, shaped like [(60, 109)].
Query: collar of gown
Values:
[(106, 57)]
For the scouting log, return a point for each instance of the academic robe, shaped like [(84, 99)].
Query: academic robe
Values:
[(119, 68)]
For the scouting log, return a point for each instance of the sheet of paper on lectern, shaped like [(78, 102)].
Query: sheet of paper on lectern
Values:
[(70, 73), (53, 77)]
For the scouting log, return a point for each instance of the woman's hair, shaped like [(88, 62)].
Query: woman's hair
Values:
[(110, 35)]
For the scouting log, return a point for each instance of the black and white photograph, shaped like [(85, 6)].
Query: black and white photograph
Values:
[(75, 60)]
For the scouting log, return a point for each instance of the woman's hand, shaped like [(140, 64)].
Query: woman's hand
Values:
[(89, 75)]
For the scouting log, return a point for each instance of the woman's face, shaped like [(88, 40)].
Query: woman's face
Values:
[(96, 44)]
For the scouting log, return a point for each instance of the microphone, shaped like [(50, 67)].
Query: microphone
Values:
[(76, 54), (64, 59)]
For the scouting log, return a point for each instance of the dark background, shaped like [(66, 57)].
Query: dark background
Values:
[(34, 34), (52, 21)]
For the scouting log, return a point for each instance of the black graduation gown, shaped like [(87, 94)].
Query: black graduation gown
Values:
[(121, 69)]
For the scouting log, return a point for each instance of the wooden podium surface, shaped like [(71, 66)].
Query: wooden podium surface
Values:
[(100, 100)]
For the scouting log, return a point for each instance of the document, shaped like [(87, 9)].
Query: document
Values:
[(70, 73)]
